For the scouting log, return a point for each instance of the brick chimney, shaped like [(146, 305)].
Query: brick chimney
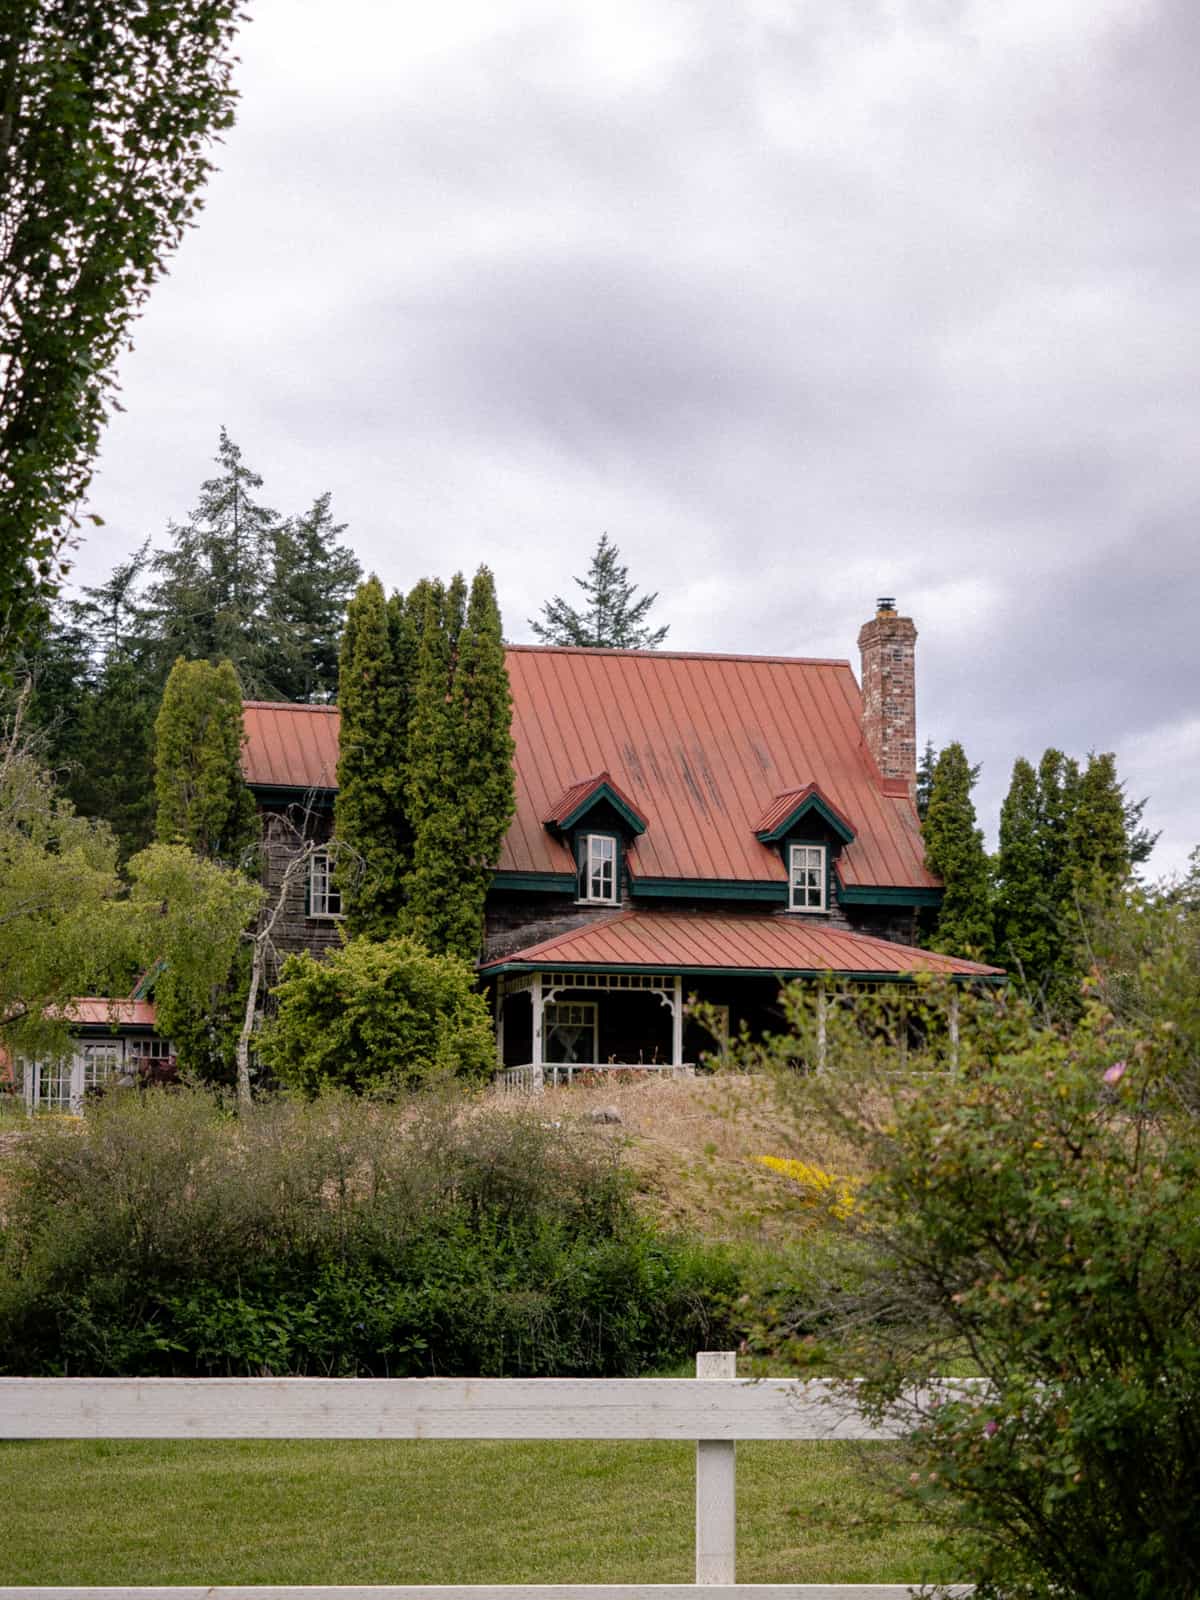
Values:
[(889, 689)]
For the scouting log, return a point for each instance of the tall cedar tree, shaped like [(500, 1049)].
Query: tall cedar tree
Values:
[(925, 779), (954, 850), (370, 814), (110, 108), (457, 843), (611, 618), (203, 802), (1027, 912), (435, 746)]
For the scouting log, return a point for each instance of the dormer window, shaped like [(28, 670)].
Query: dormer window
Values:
[(806, 877), (598, 868)]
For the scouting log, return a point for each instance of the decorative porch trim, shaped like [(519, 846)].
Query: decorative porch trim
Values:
[(555, 969)]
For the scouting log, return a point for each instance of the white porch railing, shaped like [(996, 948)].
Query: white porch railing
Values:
[(532, 1078), (716, 1409)]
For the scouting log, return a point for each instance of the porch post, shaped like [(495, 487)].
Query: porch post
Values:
[(822, 1017), (539, 1077), (501, 984), (677, 1023), (953, 1027)]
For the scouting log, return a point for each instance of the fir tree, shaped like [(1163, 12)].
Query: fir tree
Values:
[(113, 776), (310, 581), (202, 800), (370, 813), (209, 593), (954, 851), (1098, 863), (611, 619)]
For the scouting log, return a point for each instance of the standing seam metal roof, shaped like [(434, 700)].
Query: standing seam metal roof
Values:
[(727, 942), (702, 745)]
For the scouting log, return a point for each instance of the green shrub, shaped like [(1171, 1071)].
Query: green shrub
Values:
[(1035, 1221), (339, 1238), (377, 1017)]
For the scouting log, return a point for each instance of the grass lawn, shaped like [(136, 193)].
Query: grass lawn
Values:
[(441, 1511)]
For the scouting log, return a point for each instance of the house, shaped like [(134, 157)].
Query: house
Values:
[(111, 1040), (686, 825)]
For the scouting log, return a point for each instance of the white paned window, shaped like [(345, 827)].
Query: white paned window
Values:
[(324, 897), (806, 877), (598, 868), (570, 1030)]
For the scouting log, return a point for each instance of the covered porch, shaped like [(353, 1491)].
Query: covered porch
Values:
[(613, 996)]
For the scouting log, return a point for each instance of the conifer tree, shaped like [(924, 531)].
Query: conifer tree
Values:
[(209, 593), (457, 843), (954, 851), (1097, 845), (611, 619), (309, 582), (435, 742), (925, 779), (203, 802), (1028, 932), (370, 810)]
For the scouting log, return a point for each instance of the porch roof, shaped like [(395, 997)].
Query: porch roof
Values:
[(771, 946)]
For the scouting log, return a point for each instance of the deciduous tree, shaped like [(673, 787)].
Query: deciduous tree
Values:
[(109, 110)]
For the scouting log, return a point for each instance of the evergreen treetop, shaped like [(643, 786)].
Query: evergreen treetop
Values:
[(203, 802), (611, 618), (954, 851)]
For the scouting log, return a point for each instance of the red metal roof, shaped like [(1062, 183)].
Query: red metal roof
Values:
[(569, 803), (698, 942), (784, 804), (701, 745), (291, 747), (93, 1009)]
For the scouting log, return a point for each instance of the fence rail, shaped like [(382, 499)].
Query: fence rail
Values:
[(715, 1409)]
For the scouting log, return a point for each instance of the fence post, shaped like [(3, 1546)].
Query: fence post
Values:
[(716, 1488)]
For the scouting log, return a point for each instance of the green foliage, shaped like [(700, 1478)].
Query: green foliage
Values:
[(188, 918), (611, 618), (1033, 1219), (370, 810), (426, 788), (925, 779), (202, 800), (461, 789), (338, 1239), (310, 580), (58, 879), (378, 1017), (954, 851), (110, 107)]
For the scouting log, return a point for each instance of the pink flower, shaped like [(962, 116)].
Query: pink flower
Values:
[(991, 1429), (1115, 1073)]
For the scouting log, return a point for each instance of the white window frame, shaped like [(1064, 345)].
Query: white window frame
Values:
[(582, 1014), (598, 851), (802, 858), (322, 890)]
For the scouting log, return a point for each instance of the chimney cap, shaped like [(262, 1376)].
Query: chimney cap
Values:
[(886, 602)]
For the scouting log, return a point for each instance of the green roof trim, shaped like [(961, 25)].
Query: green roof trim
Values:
[(887, 895), (708, 889), (783, 976), (536, 882), (603, 792), (812, 803), (284, 794)]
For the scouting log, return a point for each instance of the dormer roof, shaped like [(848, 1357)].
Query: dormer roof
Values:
[(793, 807), (573, 806)]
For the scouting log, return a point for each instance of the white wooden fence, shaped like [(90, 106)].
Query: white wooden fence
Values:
[(715, 1409)]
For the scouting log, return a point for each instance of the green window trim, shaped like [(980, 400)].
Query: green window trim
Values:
[(812, 804), (603, 794)]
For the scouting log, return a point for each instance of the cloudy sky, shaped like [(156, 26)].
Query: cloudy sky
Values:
[(801, 302)]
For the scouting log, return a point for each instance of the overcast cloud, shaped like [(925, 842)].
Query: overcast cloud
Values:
[(802, 303)]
